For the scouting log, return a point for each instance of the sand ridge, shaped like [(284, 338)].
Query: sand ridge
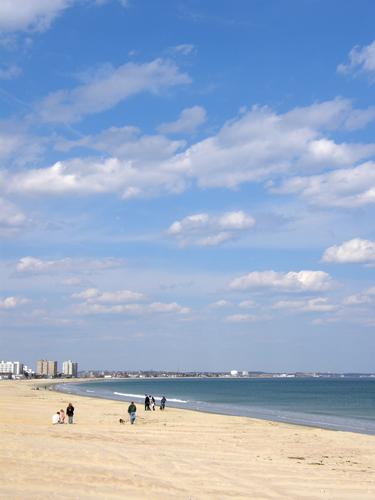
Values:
[(177, 454)]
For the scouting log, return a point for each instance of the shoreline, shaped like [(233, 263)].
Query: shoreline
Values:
[(172, 454), (298, 419)]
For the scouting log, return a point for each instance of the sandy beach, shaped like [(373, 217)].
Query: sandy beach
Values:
[(172, 454)]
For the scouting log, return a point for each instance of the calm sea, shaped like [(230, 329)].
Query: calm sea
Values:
[(341, 404)]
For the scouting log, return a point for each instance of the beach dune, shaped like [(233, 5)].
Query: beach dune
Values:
[(173, 454)]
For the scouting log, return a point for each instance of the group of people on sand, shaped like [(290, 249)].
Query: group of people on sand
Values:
[(149, 406), (59, 416), (150, 402)]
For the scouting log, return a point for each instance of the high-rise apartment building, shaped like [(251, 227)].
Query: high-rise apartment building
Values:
[(70, 368), (11, 367), (47, 368)]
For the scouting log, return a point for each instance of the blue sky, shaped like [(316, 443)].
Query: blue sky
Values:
[(188, 185)]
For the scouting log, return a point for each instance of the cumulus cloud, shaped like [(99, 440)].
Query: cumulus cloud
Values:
[(35, 15), (302, 281), (107, 87), (361, 59), (350, 187), (33, 265), (352, 251), (210, 230), (318, 304), (261, 144), (97, 176), (188, 122), (257, 146), (12, 302)]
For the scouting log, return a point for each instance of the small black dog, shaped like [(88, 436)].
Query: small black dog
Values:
[(122, 421)]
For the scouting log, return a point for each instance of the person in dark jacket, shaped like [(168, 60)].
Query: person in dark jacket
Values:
[(162, 402), (147, 403), (70, 413), (132, 410)]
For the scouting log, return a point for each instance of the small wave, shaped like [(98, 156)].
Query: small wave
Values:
[(87, 390), (141, 396), (129, 395)]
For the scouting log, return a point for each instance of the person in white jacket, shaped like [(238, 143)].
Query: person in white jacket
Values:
[(56, 418)]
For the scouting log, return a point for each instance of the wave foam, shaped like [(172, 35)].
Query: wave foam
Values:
[(141, 396)]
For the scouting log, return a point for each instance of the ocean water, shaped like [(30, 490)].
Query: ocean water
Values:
[(340, 404)]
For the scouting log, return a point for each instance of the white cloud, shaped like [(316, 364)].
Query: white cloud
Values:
[(127, 143), (184, 49), (220, 304), (361, 59), (357, 299), (366, 297), (351, 187), (352, 251), (210, 230), (10, 72), (301, 281), (318, 304), (243, 318), (108, 87), (214, 240), (261, 144), (94, 176), (36, 15), (172, 307), (10, 215), (12, 302), (17, 146), (132, 309), (247, 304), (94, 295), (256, 146), (117, 302), (33, 265), (188, 122)]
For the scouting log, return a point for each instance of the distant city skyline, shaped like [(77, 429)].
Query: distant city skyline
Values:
[(188, 185)]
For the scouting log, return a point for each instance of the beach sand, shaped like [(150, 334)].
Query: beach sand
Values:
[(171, 455)]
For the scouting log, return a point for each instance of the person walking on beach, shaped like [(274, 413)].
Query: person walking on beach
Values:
[(147, 403), (132, 410), (152, 402), (162, 402), (70, 413)]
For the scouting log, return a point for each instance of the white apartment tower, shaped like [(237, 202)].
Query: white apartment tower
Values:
[(70, 368), (11, 367)]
